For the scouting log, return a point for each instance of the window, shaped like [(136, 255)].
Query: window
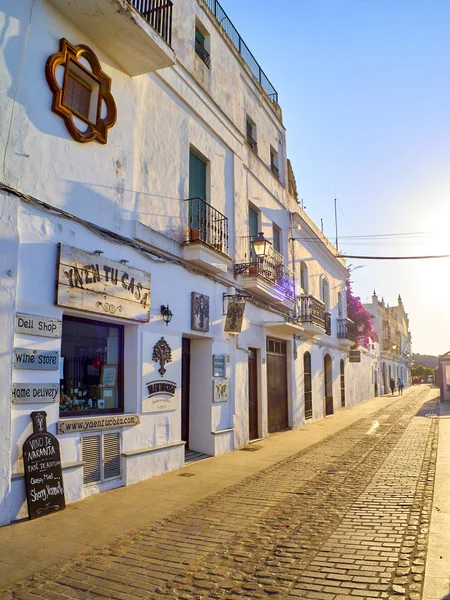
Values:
[(274, 162), (253, 230), (92, 354), (304, 277), (325, 293), (202, 45), (198, 209), (342, 383), (77, 94), (197, 176), (277, 238), (81, 92), (101, 457), (307, 384), (251, 135)]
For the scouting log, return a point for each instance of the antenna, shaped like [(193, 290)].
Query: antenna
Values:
[(336, 222), (321, 225)]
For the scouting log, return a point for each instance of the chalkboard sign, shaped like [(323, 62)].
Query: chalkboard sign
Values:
[(43, 473)]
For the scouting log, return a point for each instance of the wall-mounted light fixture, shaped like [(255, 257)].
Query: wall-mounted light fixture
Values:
[(261, 245), (167, 314)]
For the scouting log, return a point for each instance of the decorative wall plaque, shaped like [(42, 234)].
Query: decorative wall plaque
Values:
[(34, 325), (162, 353), (43, 360), (219, 365), (43, 472), (35, 393), (235, 316), (82, 92), (99, 285), (220, 390), (199, 312)]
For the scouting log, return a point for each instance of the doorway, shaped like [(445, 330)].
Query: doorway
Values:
[(277, 395), (185, 389), (328, 373), (252, 394)]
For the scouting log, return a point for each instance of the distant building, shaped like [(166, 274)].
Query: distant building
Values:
[(391, 325)]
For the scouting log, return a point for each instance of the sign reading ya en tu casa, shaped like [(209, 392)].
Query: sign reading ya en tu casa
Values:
[(96, 284)]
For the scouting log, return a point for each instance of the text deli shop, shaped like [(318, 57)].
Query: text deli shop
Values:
[(127, 393)]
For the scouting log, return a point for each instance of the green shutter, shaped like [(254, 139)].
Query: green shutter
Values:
[(197, 177)]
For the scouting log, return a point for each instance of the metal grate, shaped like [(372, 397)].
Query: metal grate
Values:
[(77, 94), (92, 460), (111, 455)]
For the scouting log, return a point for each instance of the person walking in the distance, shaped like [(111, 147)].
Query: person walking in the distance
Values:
[(392, 384), (400, 385)]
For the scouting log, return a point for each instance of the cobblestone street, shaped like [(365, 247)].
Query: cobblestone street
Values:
[(346, 518)]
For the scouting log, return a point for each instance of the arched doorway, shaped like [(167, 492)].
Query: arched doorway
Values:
[(328, 376)]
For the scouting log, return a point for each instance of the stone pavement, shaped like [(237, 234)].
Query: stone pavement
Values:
[(338, 509)]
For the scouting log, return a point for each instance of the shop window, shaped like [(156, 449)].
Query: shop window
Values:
[(101, 457), (92, 354), (81, 92)]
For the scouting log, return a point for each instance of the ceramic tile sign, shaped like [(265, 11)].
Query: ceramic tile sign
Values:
[(160, 373), (99, 285), (220, 390), (34, 325), (235, 316), (35, 393), (354, 356), (219, 365), (44, 360), (43, 472), (199, 312)]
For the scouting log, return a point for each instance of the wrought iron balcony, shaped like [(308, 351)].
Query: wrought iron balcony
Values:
[(327, 323), (252, 143), (158, 13), (202, 52), (272, 269), (346, 330), (207, 225), (242, 48), (312, 311)]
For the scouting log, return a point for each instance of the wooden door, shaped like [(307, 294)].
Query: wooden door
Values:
[(277, 400), (328, 374), (185, 388), (252, 394)]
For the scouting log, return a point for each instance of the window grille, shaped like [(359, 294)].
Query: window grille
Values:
[(77, 94)]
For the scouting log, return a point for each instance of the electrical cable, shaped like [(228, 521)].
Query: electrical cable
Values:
[(393, 257)]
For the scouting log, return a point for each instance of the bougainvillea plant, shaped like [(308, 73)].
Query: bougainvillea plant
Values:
[(358, 314)]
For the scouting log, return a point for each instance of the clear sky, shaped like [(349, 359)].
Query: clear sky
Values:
[(365, 91)]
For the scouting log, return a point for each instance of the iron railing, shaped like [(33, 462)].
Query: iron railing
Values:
[(275, 170), (242, 48), (202, 52), (271, 268), (312, 310), (252, 143), (346, 330), (207, 225), (327, 323), (158, 13)]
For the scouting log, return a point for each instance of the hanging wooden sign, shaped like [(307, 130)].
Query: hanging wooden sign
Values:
[(235, 316), (43, 472), (99, 285)]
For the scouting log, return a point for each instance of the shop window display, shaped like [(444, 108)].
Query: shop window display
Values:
[(92, 360)]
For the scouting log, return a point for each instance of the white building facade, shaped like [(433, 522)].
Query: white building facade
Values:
[(143, 154)]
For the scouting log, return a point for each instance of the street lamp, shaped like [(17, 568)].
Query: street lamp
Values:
[(261, 245), (167, 314)]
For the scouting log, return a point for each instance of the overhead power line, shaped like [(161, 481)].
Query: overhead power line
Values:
[(393, 257)]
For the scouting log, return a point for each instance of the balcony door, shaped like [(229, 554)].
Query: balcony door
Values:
[(253, 219), (197, 189)]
